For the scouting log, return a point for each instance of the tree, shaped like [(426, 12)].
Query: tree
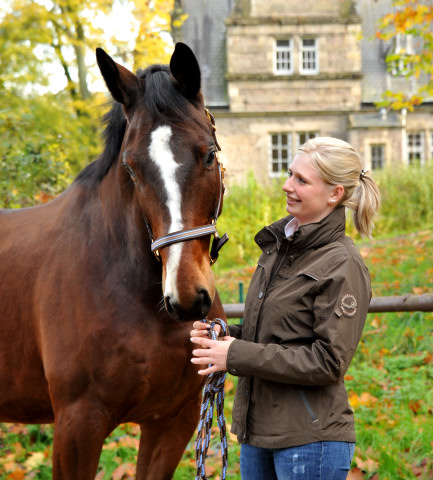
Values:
[(58, 31), (63, 31), (46, 139), (412, 18)]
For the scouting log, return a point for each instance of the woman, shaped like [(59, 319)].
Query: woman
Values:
[(304, 314)]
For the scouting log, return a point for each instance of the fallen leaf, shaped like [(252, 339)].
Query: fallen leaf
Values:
[(35, 460), (124, 471), (369, 465), (355, 474), (209, 470), (16, 475), (415, 406)]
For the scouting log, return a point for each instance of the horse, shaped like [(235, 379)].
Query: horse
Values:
[(99, 286)]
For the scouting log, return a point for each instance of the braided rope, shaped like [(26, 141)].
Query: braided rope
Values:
[(214, 387)]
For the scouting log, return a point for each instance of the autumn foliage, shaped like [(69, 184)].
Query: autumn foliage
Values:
[(410, 18)]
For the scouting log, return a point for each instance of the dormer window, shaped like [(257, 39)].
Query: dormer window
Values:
[(403, 48)]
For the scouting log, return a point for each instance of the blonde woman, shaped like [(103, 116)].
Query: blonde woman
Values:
[(304, 315)]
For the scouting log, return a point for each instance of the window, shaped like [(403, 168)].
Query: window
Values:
[(415, 149), (402, 50), (283, 57), (309, 56), (377, 156), (304, 136), (280, 153)]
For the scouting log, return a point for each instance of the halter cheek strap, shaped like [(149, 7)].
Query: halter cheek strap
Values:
[(196, 232)]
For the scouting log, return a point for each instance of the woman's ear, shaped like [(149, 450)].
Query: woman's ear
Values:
[(337, 194)]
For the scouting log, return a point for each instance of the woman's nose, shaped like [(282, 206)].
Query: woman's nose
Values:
[(287, 185)]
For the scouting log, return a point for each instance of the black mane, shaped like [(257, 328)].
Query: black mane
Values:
[(163, 101)]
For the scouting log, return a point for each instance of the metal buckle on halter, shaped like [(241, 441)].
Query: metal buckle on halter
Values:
[(217, 244)]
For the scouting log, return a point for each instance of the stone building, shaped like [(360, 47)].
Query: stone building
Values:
[(276, 72)]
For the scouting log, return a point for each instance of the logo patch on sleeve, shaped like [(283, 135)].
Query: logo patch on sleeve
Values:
[(348, 305)]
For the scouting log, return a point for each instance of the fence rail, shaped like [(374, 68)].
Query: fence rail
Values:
[(405, 303)]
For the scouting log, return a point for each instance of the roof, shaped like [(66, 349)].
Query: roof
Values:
[(204, 31), (381, 119)]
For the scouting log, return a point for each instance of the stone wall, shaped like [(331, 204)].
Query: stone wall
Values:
[(254, 86), (245, 140)]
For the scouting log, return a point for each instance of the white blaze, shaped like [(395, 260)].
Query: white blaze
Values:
[(162, 156)]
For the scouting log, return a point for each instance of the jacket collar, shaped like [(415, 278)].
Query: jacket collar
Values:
[(313, 235)]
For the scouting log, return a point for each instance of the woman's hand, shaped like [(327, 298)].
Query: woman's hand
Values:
[(213, 352), (202, 329)]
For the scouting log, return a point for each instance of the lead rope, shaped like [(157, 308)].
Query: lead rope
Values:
[(214, 387)]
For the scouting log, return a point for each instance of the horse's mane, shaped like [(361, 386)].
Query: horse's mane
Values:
[(162, 99)]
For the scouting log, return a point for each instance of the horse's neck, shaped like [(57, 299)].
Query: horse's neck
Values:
[(119, 228)]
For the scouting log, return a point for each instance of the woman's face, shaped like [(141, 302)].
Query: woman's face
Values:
[(309, 198)]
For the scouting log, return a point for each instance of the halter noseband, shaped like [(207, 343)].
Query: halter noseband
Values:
[(197, 232)]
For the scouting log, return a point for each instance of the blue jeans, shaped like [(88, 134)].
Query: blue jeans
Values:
[(315, 461)]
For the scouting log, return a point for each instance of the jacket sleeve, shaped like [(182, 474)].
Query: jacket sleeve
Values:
[(235, 330), (340, 309)]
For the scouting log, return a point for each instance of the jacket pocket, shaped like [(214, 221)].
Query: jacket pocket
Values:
[(307, 405)]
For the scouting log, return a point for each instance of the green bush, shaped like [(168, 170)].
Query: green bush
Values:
[(406, 198)]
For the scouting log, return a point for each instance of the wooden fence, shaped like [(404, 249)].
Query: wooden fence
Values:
[(405, 303)]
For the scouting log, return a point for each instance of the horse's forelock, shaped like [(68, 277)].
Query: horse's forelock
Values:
[(162, 97)]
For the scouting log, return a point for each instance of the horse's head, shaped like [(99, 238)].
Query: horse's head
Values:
[(171, 172)]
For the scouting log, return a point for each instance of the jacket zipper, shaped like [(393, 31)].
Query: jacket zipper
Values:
[(308, 407)]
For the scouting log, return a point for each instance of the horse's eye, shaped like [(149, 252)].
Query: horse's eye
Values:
[(211, 157), (130, 171)]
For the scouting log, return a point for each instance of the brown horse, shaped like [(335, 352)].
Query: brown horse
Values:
[(85, 340)]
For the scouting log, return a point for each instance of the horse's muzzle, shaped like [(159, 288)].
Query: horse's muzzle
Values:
[(185, 313)]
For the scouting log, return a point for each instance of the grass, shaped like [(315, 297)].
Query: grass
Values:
[(390, 386)]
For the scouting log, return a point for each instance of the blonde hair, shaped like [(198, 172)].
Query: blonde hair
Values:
[(339, 164)]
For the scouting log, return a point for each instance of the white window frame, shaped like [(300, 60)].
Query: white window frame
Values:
[(283, 153), (377, 162), (415, 148), (283, 57), (308, 135), (312, 54)]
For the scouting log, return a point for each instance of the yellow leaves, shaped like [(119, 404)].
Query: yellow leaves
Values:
[(35, 460), (415, 19), (20, 464), (365, 399), (153, 19)]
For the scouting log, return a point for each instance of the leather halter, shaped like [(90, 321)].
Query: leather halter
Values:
[(197, 232)]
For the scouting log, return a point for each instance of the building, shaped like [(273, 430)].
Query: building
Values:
[(277, 72)]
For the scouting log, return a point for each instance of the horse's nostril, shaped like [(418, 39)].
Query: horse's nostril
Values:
[(205, 301), (197, 309), (168, 306)]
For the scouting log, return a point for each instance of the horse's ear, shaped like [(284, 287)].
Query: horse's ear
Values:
[(185, 69), (122, 83)]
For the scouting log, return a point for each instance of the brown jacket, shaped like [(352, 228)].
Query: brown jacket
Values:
[(304, 314)]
